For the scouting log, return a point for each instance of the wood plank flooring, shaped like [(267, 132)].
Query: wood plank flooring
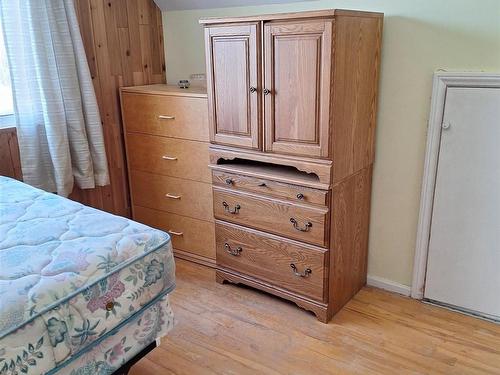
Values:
[(227, 329)]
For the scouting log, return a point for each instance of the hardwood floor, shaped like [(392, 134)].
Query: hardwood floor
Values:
[(227, 329)]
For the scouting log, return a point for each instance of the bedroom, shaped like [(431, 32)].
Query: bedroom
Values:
[(312, 202)]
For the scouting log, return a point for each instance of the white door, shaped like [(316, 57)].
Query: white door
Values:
[(463, 267)]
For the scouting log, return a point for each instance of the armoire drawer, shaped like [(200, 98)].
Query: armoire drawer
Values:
[(188, 234), (296, 221), (293, 193), (297, 267), (171, 116), (168, 156), (174, 195)]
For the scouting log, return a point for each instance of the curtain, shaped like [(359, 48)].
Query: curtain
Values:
[(58, 123)]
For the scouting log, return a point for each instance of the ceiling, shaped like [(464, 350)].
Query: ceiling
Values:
[(207, 4)]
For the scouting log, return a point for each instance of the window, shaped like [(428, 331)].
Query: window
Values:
[(6, 102)]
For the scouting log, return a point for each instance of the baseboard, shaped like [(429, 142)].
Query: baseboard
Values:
[(391, 286)]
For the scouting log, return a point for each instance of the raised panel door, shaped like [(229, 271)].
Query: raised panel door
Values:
[(233, 85), (297, 65)]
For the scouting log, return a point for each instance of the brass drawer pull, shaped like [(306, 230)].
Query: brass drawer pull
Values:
[(175, 233), (168, 195), (306, 228), (234, 252), (300, 196), (166, 157), (306, 272), (228, 210), (166, 117), (229, 181)]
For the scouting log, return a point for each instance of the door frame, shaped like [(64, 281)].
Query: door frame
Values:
[(441, 82)]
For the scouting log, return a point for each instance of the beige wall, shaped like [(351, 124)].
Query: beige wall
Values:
[(419, 38)]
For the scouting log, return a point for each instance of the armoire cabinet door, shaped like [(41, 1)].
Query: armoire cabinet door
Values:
[(297, 65), (233, 81)]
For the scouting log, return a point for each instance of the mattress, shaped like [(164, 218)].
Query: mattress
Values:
[(69, 275)]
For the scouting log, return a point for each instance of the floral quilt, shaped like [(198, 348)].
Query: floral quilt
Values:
[(70, 275)]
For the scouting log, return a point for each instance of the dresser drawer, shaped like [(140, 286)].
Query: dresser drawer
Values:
[(168, 156), (296, 221), (272, 259), (179, 117), (265, 186), (188, 234), (174, 195)]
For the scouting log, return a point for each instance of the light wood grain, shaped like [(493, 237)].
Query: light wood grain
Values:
[(232, 54), (294, 193), (187, 198), (10, 161), (198, 236), (350, 218), (297, 64), (272, 215), (268, 258), (115, 53), (325, 13), (354, 93), (320, 73), (167, 90), (225, 329), (168, 156), (187, 115), (323, 169)]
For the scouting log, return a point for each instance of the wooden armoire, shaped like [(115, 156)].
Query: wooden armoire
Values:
[(292, 107)]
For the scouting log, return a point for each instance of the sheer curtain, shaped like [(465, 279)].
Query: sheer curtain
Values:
[(58, 122)]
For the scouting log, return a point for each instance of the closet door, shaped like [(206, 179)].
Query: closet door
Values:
[(233, 84), (463, 267), (297, 64)]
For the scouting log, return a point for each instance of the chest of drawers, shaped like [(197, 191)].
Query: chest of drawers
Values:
[(292, 108), (166, 138)]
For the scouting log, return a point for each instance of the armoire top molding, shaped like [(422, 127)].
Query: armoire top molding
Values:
[(294, 15)]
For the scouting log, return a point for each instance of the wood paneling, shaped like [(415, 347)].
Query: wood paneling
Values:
[(223, 329), (123, 41), (233, 77), (297, 61), (10, 162)]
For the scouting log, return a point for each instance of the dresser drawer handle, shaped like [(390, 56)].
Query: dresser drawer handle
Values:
[(173, 233), (166, 117), (306, 272), (229, 181), (168, 195), (234, 252), (166, 157), (262, 184), (300, 196), (306, 228), (228, 210)]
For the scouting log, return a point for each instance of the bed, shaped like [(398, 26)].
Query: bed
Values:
[(81, 291)]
